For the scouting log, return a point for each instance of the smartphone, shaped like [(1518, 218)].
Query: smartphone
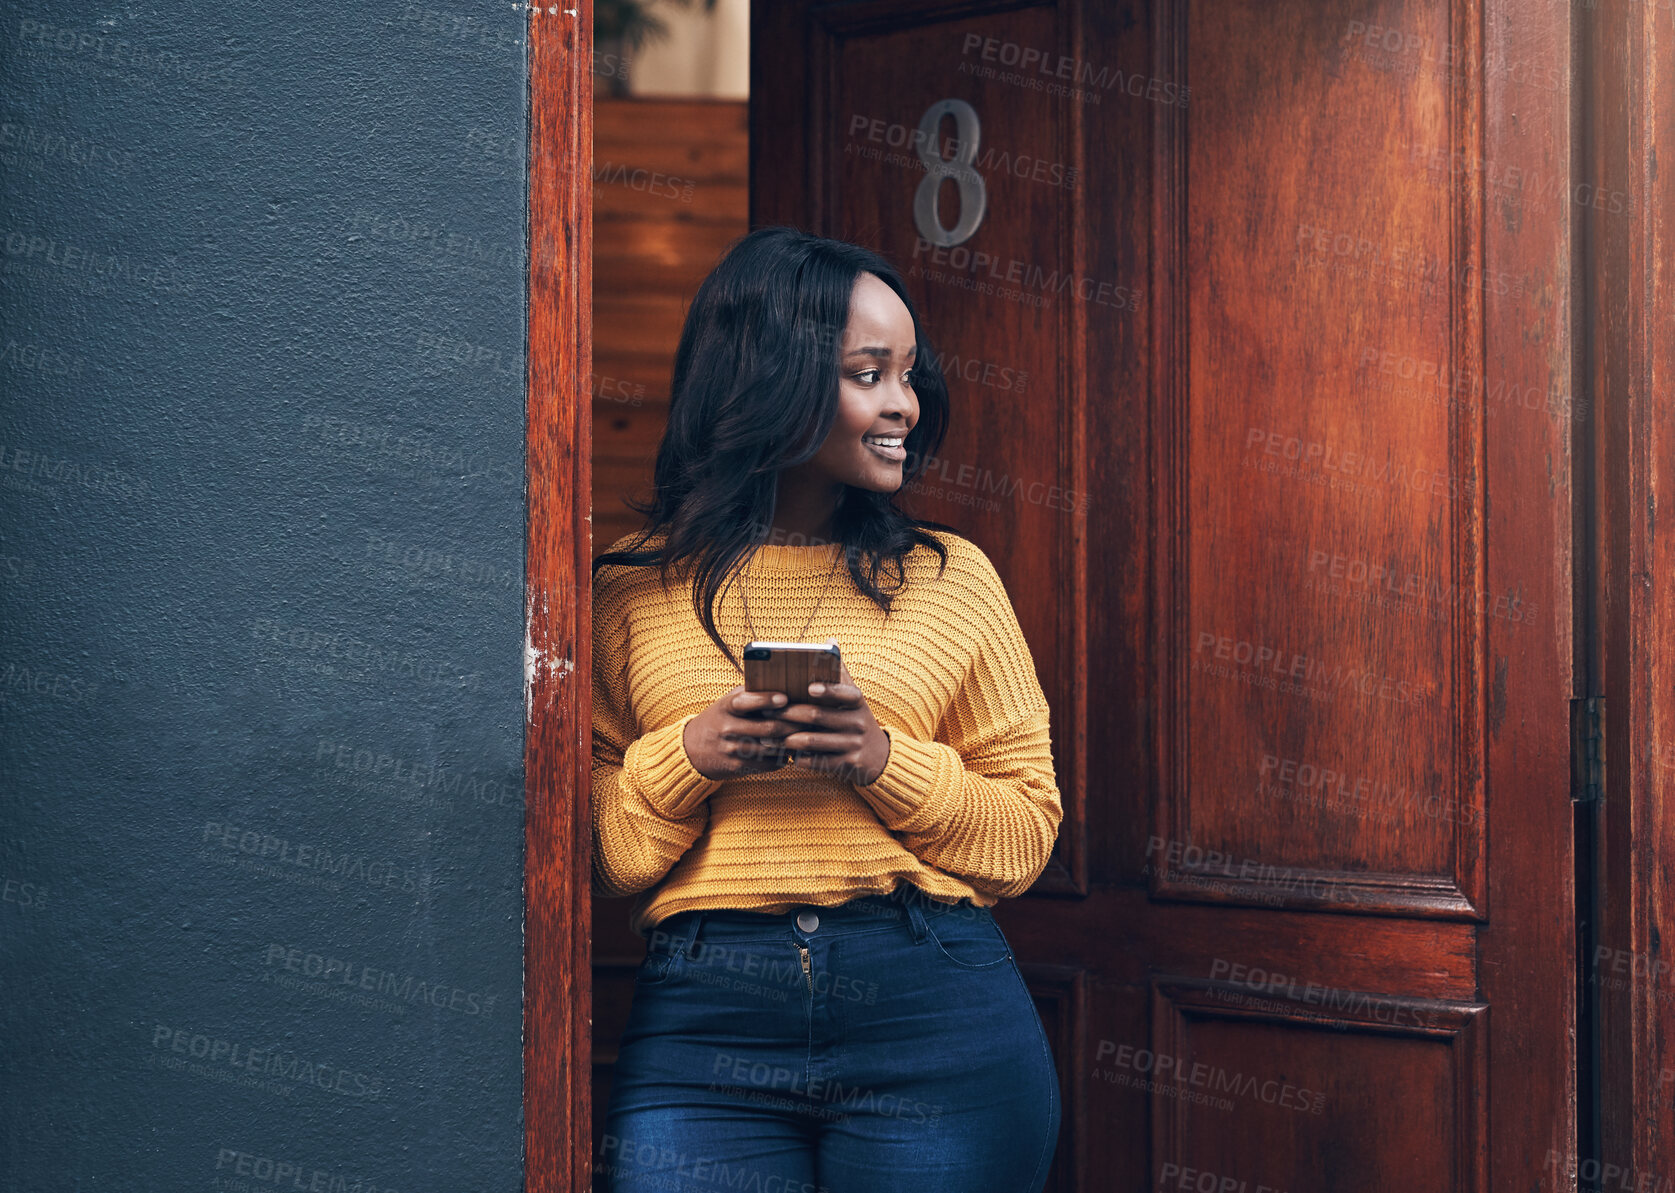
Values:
[(790, 667)]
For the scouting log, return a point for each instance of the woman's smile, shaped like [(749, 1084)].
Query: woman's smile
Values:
[(893, 447)]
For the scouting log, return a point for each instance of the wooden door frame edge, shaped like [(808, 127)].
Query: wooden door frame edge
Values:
[(557, 1012), (1629, 324)]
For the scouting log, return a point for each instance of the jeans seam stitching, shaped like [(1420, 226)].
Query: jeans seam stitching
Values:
[(1049, 1144), (936, 940)]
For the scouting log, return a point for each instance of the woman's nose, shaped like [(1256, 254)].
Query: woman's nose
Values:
[(906, 402)]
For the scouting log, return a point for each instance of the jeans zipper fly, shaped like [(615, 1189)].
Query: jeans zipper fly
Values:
[(808, 973)]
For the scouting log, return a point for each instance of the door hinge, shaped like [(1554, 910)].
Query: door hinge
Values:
[(1587, 749)]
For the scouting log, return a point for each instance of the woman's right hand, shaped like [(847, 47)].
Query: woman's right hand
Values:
[(737, 735)]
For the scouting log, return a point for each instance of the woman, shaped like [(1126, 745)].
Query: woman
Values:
[(826, 1003)]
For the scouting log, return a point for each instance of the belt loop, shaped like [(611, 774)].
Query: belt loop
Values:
[(692, 936), (916, 917)]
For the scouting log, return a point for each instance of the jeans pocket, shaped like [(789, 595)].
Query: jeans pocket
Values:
[(658, 964), (969, 938)]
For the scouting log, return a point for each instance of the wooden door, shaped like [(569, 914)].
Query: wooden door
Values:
[(1257, 320)]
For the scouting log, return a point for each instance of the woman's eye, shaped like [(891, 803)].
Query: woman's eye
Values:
[(872, 376)]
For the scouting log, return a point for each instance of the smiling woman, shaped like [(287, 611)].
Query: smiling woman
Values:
[(826, 1000)]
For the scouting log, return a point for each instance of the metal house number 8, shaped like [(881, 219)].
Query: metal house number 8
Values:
[(974, 196)]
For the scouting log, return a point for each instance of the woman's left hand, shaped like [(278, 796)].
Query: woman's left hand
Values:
[(840, 739)]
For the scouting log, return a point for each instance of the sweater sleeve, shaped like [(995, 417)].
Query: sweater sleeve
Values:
[(649, 802), (981, 801)]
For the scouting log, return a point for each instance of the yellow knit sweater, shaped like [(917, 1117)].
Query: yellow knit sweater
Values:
[(967, 804)]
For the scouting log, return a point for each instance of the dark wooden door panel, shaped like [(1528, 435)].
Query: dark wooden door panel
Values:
[(1008, 307), (1321, 674), (1324, 1117), (1304, 616)]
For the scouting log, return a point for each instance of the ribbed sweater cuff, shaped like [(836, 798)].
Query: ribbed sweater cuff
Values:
[(920, 781), (659, 769)]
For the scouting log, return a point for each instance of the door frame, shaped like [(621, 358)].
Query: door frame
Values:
[(1625, 366), (558, 643)]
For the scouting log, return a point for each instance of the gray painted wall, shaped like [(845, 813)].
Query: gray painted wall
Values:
[(261, 556)]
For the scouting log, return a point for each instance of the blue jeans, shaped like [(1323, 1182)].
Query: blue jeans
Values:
[(887, 1045)]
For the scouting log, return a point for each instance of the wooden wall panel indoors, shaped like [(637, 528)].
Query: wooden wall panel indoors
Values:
[(669, 196), (1271, 232)]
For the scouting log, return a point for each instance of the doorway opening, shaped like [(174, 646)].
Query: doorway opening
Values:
[(670, 194)]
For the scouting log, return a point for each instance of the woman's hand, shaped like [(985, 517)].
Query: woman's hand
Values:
[(749, 733), (835, 733), (737, 735)]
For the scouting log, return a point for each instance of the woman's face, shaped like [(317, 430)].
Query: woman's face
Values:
[(875, 392)]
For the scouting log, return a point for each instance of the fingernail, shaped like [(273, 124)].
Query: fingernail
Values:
[(779, 698), (816, 688)]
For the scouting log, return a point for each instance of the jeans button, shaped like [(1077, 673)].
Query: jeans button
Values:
[(808, 921)]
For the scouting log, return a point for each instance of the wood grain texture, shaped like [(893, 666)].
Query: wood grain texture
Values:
[(1198, 209), (1626, 220), (558, 652), (1526, 953), (1320, 210), (669, 197), (1322, 1120), (1276, 466)]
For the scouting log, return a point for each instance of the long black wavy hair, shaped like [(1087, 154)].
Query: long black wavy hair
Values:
[(754, 391)]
